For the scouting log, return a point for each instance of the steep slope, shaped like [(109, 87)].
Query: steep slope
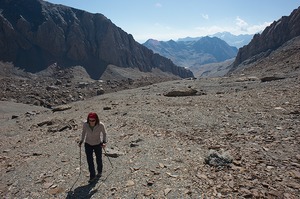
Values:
[(35, 34), (274, 36), (281, 63), (193, 53)]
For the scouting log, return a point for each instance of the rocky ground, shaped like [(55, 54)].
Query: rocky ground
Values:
[(237, 137), (56, 86)]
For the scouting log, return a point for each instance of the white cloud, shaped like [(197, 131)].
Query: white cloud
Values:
[(257, 28), (164, 32), (243, 27), (241, 24), (158, 5), (205, 16)]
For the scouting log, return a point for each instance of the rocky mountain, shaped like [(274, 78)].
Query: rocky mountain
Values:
[(273, 37), (233, 40), (193, 53), (35, 34)]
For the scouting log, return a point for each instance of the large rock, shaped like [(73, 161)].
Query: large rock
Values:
[(35, 34)]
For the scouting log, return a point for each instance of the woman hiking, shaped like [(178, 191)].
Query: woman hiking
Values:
[(94, 138)]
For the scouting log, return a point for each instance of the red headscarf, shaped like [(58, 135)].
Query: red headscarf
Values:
[(92, 115)]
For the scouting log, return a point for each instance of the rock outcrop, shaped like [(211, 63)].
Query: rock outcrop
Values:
[(35, 34), (275, 35)]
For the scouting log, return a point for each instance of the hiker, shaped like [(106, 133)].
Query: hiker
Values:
[(94, 138)]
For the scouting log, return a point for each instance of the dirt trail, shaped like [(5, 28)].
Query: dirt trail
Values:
[(161, 143)]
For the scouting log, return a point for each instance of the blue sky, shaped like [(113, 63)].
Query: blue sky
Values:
[(172, 19)]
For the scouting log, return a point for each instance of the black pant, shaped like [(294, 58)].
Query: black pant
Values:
[(89, 149)]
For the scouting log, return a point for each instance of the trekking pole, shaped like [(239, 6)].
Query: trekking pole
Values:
[(107, 157), (79, 160), (70, 191)]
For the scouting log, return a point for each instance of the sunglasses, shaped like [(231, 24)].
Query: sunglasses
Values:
[(92, 120)]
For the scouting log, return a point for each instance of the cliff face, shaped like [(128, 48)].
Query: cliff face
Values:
[(35, 34), (279, 32)]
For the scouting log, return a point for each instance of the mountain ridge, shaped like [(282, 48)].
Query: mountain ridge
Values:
[(273, 37), (38, 34), (231, 39), (193, 53)]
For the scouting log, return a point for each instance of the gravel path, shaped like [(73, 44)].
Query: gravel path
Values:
[(162, 142)]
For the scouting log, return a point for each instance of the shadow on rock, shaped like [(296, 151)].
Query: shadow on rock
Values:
[(83, 192)]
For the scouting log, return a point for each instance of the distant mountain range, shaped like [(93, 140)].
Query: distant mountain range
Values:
[(35, 34), (192, 53), (232, 40)]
